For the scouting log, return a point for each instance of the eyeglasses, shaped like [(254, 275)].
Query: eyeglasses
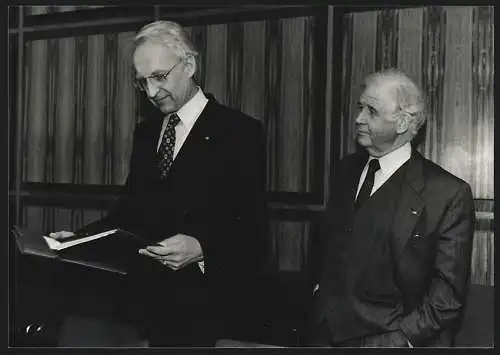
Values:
[(157, 78)]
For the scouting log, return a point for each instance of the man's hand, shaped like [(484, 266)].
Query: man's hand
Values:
[(176, 252), (61, 235)]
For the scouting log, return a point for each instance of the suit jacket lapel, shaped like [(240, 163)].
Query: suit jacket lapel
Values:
[(410, 206), (200, 134)]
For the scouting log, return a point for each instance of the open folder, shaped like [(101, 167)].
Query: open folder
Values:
[(113, 250)]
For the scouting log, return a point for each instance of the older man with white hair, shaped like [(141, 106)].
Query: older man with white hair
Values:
[(398, 231)]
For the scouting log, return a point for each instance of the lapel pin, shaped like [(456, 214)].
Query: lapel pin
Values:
[(414, 212), (207, 138)]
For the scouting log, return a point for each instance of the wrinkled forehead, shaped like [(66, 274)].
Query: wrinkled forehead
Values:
[(151, 56), (379, 93)]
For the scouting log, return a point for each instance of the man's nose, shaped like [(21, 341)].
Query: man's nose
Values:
[(151, 89), (361, 118)]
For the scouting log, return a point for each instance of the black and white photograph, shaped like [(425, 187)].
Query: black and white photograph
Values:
[(250, 176)]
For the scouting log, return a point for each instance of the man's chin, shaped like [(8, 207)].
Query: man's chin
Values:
[(166, 108), (363, 141)]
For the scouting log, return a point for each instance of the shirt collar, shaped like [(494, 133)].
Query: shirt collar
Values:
[(192, 109), (392, 161)]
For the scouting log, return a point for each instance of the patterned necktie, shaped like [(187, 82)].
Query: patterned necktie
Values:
[(166, 150), (366, 188)]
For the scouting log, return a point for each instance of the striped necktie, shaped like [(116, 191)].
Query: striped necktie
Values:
[(166, 150)]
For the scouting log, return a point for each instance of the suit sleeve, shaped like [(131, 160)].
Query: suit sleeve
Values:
[(442, 305)]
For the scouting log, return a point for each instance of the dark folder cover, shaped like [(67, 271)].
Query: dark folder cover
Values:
[(114, 253)]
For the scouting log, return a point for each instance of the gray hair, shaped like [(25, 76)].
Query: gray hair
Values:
[(409, 97), (168, 33)]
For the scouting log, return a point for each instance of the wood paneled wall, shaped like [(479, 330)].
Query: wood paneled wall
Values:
[(79, 110)]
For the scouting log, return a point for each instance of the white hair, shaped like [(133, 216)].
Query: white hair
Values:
[(408, 96), (168, 33)]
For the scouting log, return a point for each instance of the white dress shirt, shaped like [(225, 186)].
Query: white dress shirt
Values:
[(188, 114), (389, 163)]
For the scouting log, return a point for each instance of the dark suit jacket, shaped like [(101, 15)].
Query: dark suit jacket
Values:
[(402, 262), (214, 192)]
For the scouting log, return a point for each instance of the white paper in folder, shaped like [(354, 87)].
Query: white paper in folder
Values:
[(75, 240)]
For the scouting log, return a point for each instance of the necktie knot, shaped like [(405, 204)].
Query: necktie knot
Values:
[(173, 120), (373, 166), (366, 188)]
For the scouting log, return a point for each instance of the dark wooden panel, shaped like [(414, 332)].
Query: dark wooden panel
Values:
[(13, 15), (12, 106), (49, 15), (229, 14)]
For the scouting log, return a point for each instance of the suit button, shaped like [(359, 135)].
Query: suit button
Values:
[(349, 230)]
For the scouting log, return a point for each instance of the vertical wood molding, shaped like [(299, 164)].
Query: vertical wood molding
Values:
[(290, 137), (409, 49), (483, 100), (110, 60), (364, 40), (94, 128), (216, 62), (253, 70), (272, 96), (347, 50), (387, 39), (80, 90), (64, 124), (433, 64), (20, 92), (37, 103), (234, 75), (330, 101), (125, 114), (456, 121)]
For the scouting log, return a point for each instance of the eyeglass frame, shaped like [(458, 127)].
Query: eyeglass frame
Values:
[(159, 78)]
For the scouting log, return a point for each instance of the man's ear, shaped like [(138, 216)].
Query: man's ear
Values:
[(190, 66), (403, 123)]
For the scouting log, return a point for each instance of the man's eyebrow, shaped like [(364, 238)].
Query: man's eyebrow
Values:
[(156, 72)]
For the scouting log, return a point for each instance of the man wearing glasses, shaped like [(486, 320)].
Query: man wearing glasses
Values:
[(196, 190)]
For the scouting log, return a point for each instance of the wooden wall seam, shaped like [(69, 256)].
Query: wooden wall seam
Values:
[(19, 118)]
